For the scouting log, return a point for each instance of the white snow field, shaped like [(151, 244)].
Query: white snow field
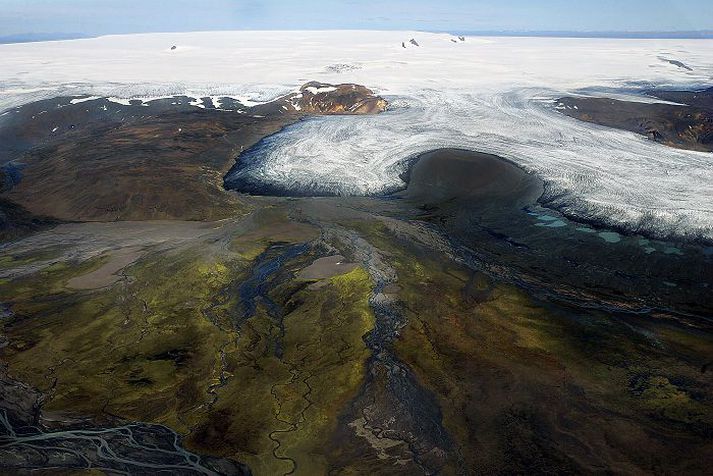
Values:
[(489, 94)]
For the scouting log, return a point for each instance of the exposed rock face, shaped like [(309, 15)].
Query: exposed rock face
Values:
[(323, 98), (16, 221), (677, 63), (687, 125)]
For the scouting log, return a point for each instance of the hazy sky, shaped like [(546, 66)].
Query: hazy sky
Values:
[(94, 17)]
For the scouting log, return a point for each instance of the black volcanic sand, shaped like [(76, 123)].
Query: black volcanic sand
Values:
[(687, 125), (488, 208)]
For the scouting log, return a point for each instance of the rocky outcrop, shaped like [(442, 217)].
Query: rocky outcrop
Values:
[(322, 98), (687, 124)]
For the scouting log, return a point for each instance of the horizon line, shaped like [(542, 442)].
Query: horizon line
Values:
[(36, 37)]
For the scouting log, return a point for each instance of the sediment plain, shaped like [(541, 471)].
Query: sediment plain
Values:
[(155, 321)]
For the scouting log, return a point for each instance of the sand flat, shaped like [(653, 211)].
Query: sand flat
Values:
[(327, 267), (108, 274)]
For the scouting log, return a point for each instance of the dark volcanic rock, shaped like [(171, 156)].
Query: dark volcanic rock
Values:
[(16, 222), (702, 99), (687, 125), (677, 63)]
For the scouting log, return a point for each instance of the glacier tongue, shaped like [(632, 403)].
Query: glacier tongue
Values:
[(591, 172), (489, 94)]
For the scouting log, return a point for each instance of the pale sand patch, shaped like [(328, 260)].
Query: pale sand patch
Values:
[(108, 273), (377, 440), (326, 267)]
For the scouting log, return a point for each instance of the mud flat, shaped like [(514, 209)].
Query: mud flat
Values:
[(108, 273)]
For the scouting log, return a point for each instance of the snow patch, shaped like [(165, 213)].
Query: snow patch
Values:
[(249, 101), (83, 99), (324, 89), (198, 102), (122, 101), (215, 100)]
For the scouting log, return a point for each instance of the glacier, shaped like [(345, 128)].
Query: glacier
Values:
[(494, 95)]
